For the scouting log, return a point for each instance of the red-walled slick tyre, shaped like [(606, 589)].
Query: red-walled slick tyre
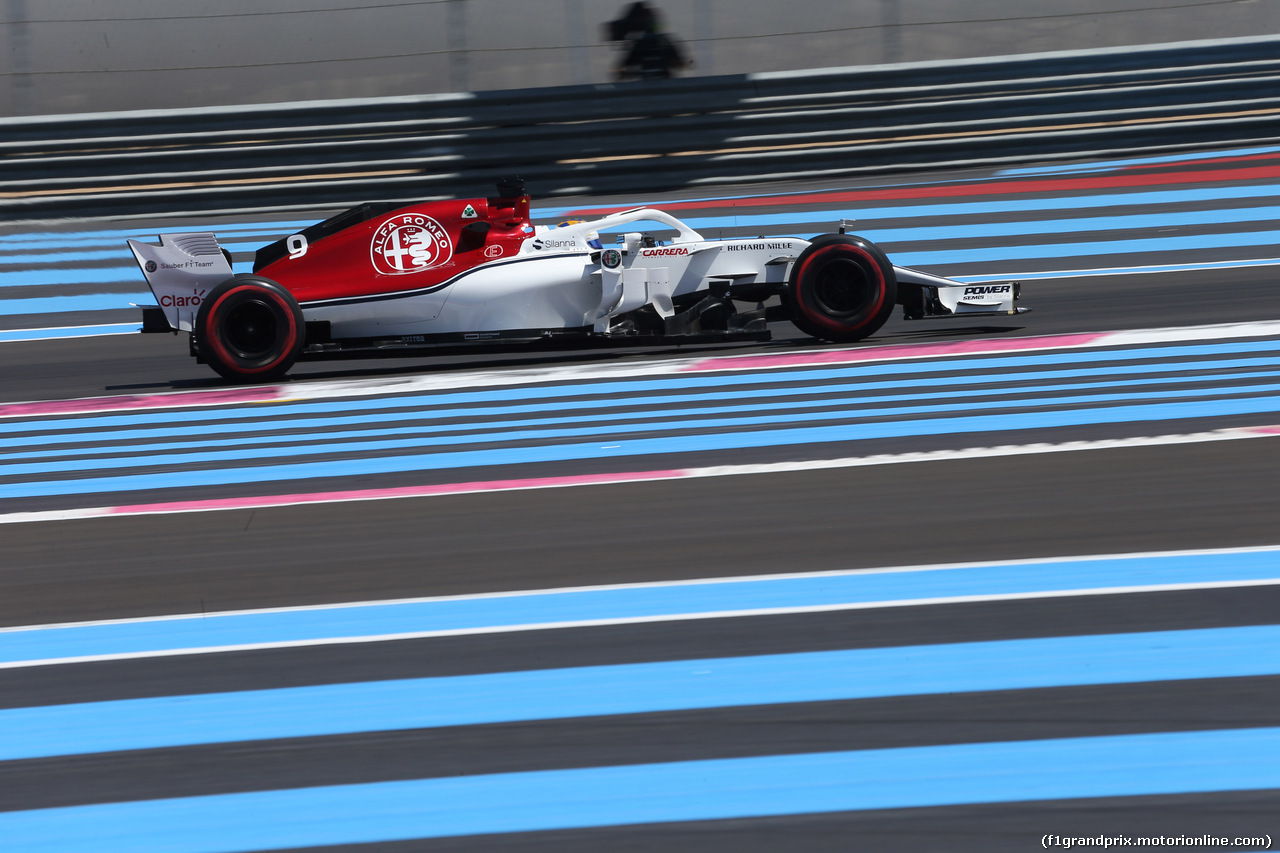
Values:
[(842, 288), (249, 329)]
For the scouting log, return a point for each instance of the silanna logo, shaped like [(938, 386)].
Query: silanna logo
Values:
[(409, 243), (555, 243)]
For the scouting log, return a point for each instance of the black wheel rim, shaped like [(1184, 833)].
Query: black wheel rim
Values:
[(842, 289), (251, 329)]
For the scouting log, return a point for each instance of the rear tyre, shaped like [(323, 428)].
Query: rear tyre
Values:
[(842, 288), (250, 329)]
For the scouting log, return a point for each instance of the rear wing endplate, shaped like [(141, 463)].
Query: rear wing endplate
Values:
[(180, 272)]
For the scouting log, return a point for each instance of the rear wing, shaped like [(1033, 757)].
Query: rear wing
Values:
[(180, 271)]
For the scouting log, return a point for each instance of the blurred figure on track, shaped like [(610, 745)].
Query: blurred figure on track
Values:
[(649, 52)]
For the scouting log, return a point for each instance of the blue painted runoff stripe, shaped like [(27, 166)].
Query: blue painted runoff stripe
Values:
[(113, 239), (813, 783), (59, 332), (632, 447), (876, 211), (67, 256), (65, 304), (970, 370), (71, 255), (518, 611), (109, 243), (71, 304), (337, 709), (125, 441), (35, 240), (1175, 243), (1111, 165), (460, 435), (1108, 271), (1154, 200), (120, 440), (62, 277), (1135, 223)]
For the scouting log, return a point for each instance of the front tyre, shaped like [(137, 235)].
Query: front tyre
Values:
[(842, 288), (250, 329)]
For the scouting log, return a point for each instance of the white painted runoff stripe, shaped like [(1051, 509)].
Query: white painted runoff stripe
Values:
[(61, 332), (66, 419), (1043, 275), (713, 598), (120, 456), (618, 478), (89, 437), (308, 391), (1129, 162), (322, 710)]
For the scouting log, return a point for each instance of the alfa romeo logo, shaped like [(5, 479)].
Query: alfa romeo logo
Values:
[(611, 258), (409, 243)]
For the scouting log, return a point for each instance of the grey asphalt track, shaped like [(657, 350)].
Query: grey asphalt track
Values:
[(1119, 500), (1097, 502)]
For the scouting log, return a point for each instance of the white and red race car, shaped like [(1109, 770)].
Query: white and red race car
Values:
[(388, 279)]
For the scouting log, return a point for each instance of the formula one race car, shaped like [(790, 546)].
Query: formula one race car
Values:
[(386, 279)]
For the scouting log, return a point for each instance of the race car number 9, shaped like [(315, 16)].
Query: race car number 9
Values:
[(297, 246)]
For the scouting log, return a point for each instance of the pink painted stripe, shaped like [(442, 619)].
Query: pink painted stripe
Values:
[(478, 487), (889, 353), (133, 402), (267, 501)]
